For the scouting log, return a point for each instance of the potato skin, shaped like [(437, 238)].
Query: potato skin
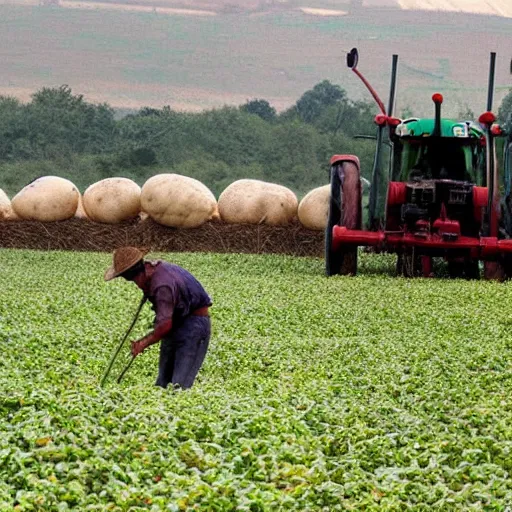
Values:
[(46, 199), (80, 211), (112, 200), (249, 201), (314, 208), (6, 211), (178, 201)]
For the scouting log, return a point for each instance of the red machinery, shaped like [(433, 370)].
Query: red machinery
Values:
[(439, 197)]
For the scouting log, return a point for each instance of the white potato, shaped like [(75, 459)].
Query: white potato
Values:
[(250, 201), (178, 201), (6, 211), (314, 208), (112, 200), (46, 199)]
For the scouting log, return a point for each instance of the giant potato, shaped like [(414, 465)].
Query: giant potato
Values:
[(178, 201), (46, 199), (6, 212), (250, 201), (314, 208), (112, 200)]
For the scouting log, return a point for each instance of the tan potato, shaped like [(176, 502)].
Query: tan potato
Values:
[(80, 212), (314, 208), (249, 201), (6, 211), (47, 199), (216, 214), (112, 200), (178, 201)]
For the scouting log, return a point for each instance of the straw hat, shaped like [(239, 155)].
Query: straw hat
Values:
[(123, 259)]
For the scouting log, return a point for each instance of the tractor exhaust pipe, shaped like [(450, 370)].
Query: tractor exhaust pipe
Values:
[(381, 120), (392, 89), (438, 101), (487, 119), (490, 88)]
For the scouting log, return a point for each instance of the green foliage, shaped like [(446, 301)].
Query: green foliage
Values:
[(365, 393), (9, 126), (505, 111), (229, 135), (145, 131), (59, 133), (54, 124), (327, 108), (261, 108), (312, 103)]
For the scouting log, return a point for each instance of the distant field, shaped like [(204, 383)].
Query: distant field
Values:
[(494, 7), (190, 62)]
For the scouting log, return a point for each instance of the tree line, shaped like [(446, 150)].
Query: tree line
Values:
[(59, 133)]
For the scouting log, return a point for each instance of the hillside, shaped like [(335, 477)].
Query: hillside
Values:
[(220, 54), (323, 7), (490, 7)]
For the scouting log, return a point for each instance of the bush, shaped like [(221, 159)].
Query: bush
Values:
[(58, 133)]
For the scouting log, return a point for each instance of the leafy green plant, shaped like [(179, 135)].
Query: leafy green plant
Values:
[(365, 393)]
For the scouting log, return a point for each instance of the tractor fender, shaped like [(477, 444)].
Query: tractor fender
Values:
[(338, 159), (480, 197)]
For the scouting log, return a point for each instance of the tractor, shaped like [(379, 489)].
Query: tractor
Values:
[(439, 196)]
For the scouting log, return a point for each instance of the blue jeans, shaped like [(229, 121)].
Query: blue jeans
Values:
[(182, 352)]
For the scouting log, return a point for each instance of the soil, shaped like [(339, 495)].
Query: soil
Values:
[(84, 235)]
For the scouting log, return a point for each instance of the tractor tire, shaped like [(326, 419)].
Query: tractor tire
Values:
[(333, 259), (506, 264), (494, 271), (345, 209)]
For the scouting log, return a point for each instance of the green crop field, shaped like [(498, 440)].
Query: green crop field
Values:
[(366, 393)]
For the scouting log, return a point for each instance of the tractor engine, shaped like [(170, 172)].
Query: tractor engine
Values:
[(424, 207), (450, 208)]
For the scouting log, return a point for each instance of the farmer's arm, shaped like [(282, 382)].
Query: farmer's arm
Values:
[(164, 306)]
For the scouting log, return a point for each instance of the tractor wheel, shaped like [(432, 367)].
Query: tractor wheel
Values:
[(494, 270), (506, 264), (345, 209), (332, 259)]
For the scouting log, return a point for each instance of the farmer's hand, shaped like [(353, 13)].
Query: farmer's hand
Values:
[(138, 347), (160, 331)]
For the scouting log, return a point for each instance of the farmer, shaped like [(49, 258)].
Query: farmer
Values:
[(182, 321)]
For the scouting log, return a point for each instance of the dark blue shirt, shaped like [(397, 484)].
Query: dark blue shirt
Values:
[(174, 292)]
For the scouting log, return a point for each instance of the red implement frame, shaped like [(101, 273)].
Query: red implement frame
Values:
[(480, 248)]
